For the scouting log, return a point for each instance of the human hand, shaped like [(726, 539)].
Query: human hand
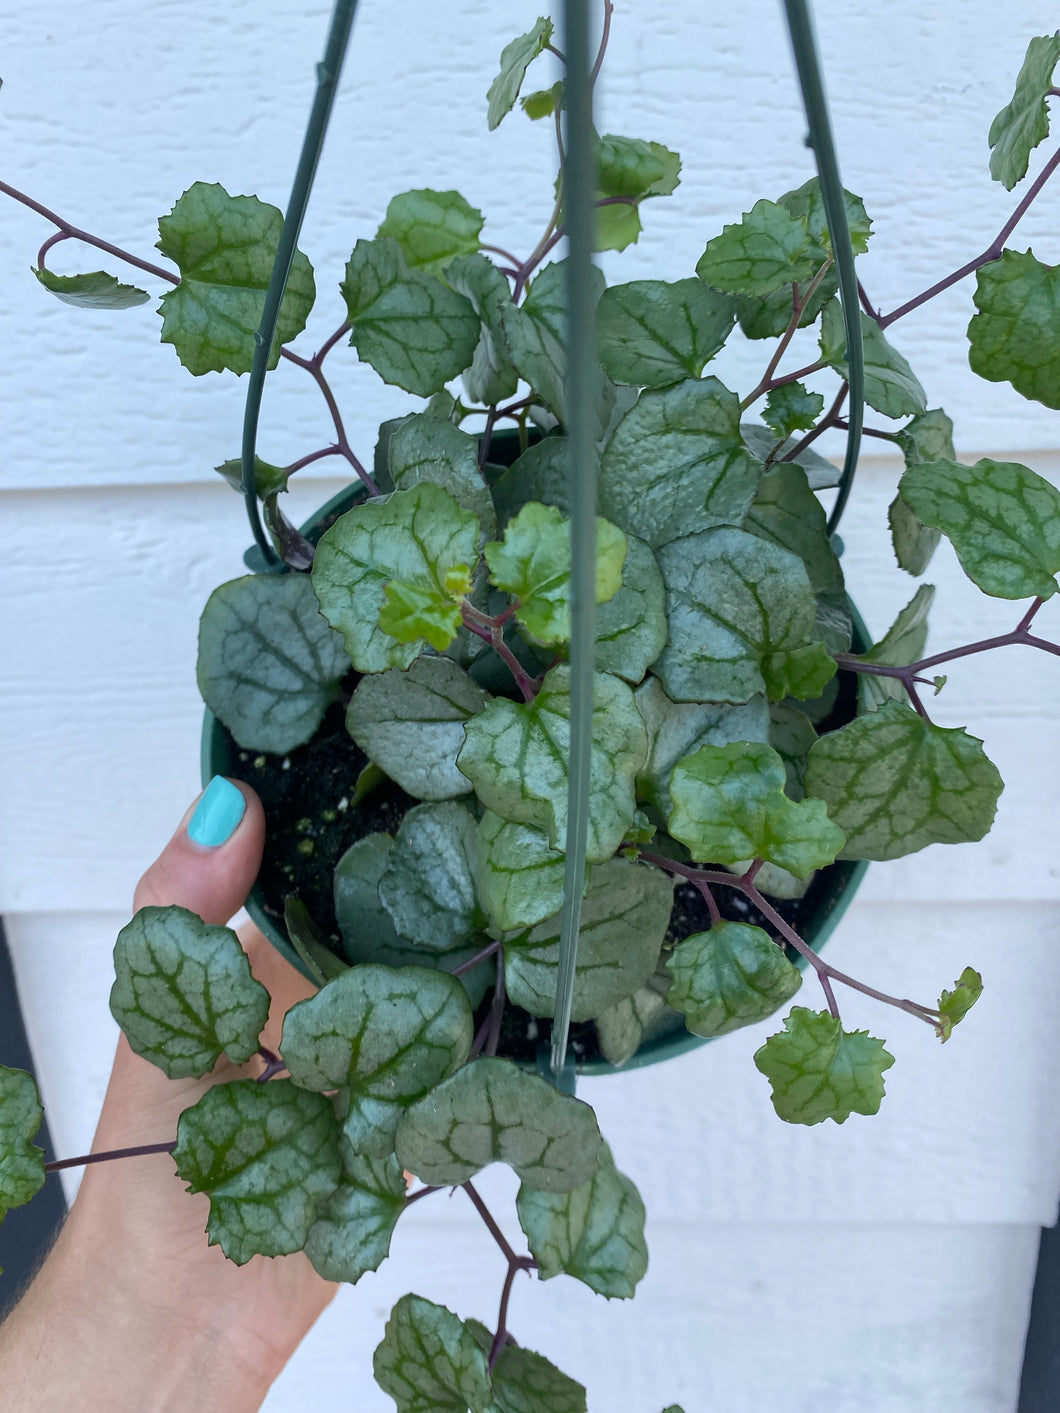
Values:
[(133, 1304)]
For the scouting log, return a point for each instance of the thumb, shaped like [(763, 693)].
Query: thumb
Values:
[(210, 864)]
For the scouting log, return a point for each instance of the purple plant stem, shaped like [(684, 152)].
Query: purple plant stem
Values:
[(141, 1151), (482, 956), (491, 630)]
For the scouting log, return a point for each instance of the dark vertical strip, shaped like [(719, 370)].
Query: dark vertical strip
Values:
[(328, 71), (27, 1232), (579, 187), (1040, 1379), (804, 47)]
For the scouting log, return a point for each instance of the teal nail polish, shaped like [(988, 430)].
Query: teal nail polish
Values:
[(217, 814)]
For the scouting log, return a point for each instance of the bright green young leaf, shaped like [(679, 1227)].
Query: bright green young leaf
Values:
[(792, 408), (429, 884), (732, 976), (894, 783), (677, 729), (411, 724), (421, 539), (787, 513), (1024, 122), (368, 930), (651, 333), (594, 1233), (1002, 519), (820, 1071), (515, 755), (491, 1111), (430, 1362), (631, 625), (96, 290), (532, 563), (420, 613), (22, 1172), (386, 1036), (806, 203), (761, 442), (184, 992), (268, 1157), (767, 248), (638, 1020), (543, 103), (424, 448), (525, 1382), (268, 480), (729, 805), (520, 878), (269, 664), (491, 376), (891, 386), (1015, 337), (801, 672), (516, 58), (624, 918), (954, 1005), (536, 331), (676, 463), (928, 437), (352, 1232), (432, 227), (902, 644), (733, 601), (225, 248), (415, 331)]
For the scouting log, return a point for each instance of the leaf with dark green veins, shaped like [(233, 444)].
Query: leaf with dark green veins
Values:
[(432, 227), (1024, 122), (425, 448), (268, 480), (792, 408), (630, 166), (624, 918), (894, 783), (352, 1232), (268, 1157), (386, 1035), (541, 473), (807, 203), (631, 625), (638, 1020), (225, 248), (729, 805), (411, 724), (954, 1005), (676, 463), (902, 644), (184, 992), (787, 513), (429, 884), (1015, 337), (733, 601), (891, 386), (761, 441), (95, 290), (22, 1172), (928, 437), (491, 1111), (269, 664), (430, 1362), (651, 333), (414, 331), (801, 672), (675, 730), (594, 1233), (421, 538), (1001, 518), (536, 331), (515, 755), (516, 58), (525, 1382), (520, 877), (820, 1071), (732, 976), (767, 248), (532, 563), (491, 376), (368, 930)]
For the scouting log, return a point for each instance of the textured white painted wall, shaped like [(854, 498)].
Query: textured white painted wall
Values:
[(115, 529)]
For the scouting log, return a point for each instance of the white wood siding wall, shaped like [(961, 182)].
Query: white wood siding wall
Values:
[(881, 1267)]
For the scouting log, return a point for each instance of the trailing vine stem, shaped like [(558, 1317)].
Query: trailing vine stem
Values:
[(830, 419), (479, 957), (138, 1152), (516, 1264), (826, 973), (797, 306), (491, 630)]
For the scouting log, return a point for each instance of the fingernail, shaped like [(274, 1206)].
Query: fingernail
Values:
[(217, 814)]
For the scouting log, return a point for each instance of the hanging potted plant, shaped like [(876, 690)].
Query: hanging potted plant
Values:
[(398, 679)]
